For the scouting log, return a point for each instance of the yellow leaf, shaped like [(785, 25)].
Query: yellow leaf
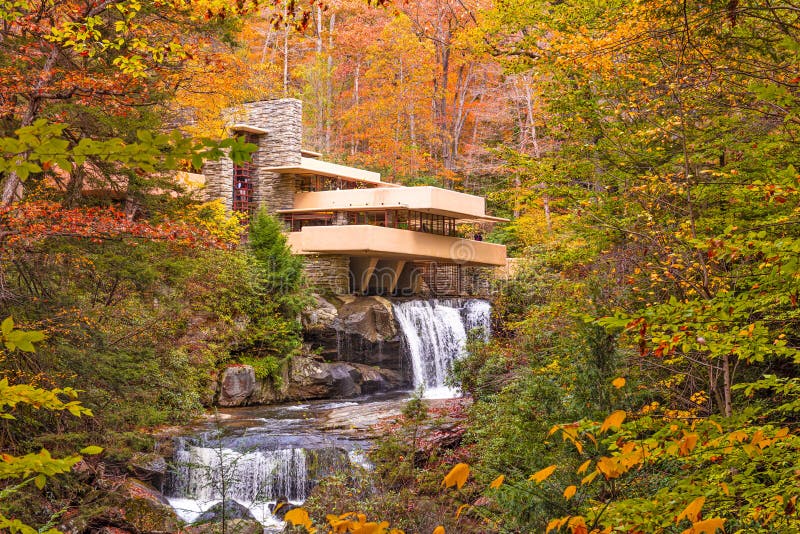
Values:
[(584, 466), (725, 489), (542, 474), (692, 512), (496, 483), (556, 524), (590, 477), (457, 476), (618, 382), (298, 516), (613, 421), (461, 509), (708, 526), (438, 530), (569, 492), (687, 444)]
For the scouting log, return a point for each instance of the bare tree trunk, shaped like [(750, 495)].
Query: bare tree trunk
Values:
[(726, 384), (285, 49), (329, 85), (12, 185)]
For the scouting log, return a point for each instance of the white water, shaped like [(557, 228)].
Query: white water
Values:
[(435, 333), (255, 479)]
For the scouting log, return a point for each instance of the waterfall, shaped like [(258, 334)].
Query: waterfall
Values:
[(435, 335), (256, 478), (253, 469), (248, 477)]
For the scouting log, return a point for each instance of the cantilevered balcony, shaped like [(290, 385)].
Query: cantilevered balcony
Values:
[(381, 242)]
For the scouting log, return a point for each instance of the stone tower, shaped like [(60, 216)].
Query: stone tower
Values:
[(276, 126)]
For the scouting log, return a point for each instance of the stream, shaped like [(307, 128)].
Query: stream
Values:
[(257, 455)]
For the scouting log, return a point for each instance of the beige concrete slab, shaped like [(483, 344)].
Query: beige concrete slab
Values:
[(385, 243)]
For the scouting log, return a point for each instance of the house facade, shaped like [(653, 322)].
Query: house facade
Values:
[(358, 234)]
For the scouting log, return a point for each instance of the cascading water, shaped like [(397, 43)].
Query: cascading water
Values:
[(203, 472), (435, 334)]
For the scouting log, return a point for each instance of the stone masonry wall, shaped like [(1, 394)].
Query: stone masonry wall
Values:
[(279, 147), (452, 280), (329, 273)]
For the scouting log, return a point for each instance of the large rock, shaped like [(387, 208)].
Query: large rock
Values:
[(372, 318), (149, 467), (355, 330), (312, 378), (231, 510), (147, 510), (132, 506), (236, 385)]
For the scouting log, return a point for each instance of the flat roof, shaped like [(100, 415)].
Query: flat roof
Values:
[(425, 199), (432, 211), (334, 170), (247, 128)]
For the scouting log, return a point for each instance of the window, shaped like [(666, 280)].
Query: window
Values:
[(244, 183)]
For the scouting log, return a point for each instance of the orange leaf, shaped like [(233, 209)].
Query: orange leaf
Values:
[(496, 483), (590, 477), (542, 474), (708, 526), (556, 524), (438, 530), (298, 516), (457, 476), (584, 466), (618, 382), (692, 512), (461, 509), (569, 492), (613, 421)]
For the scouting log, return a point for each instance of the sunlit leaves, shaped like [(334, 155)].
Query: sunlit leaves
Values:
[(33, 467), (613, 421), (43, 144), (497, 482), (299, 517), (543, 474), (707, 526), (692, 511), (457, 476)]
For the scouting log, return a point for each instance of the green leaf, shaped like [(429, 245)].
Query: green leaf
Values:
[(91, 450), (7, 325), (40, 481)]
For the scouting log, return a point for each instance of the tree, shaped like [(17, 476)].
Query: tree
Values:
[(64, 60), (33, 468)]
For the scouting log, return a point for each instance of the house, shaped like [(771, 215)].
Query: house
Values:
[(358, 233)]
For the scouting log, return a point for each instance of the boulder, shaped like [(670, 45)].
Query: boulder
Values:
[(236, 385), (371, 318), (281, 507), (345, 379), (231, 509), (269, 390), (318, 317), (354, 329), (149, 467), (145, 509), (309, 379), (129, 506)]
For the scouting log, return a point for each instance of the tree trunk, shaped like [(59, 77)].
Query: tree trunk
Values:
[(726, 384), (285, 49)]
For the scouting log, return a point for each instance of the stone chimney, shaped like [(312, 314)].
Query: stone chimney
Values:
[(277, 128)]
